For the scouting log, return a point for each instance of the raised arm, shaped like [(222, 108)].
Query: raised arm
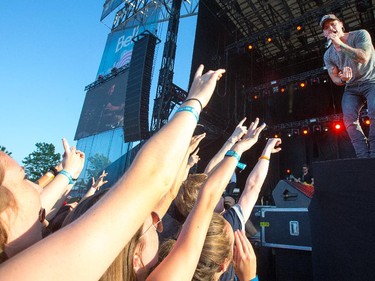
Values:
[(236, 135), (54, 194), (95, 185), (163, 205), (256, 178), (120, 213), (184, 257)]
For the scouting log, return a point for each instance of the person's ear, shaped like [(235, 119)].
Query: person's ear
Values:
[(137, 262), (224, 266)]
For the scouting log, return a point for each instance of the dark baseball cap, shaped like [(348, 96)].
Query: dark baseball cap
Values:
[(328, 17)]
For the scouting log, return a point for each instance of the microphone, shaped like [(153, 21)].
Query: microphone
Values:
[(328, 43)]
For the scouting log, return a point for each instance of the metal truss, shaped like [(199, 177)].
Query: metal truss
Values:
[(265, 89), (139, 9)]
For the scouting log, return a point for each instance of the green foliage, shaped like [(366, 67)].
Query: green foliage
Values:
[(97, 163), (39, 161), (3, 149)]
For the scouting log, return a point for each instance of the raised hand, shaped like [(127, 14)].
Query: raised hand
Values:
[(245, 262), (193, 159), (238, 132), (195, 140), (100, 181), (73, 159), (204, 85), (251, 136), (272, 146)]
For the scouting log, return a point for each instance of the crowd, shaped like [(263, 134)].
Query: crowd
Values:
[(113, 234)]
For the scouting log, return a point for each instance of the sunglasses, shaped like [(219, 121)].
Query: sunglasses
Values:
[(156, 223)]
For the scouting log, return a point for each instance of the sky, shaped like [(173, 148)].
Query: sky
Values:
[(49, 51)]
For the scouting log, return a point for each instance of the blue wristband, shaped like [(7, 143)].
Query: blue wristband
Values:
[(68, 175), (233, 154), (189, 109), (255, 278), (241, 166)]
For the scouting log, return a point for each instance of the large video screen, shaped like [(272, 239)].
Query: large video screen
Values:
[(103, 108)]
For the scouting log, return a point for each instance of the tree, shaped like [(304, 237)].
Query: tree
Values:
[(3, 149), (97, 163), (39, 161)]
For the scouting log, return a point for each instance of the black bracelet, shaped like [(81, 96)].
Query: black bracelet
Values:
[(53, 170), (200, 104)]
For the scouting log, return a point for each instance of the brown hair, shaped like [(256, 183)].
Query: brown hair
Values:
[(217, 249), (188, 193), (121, 268)]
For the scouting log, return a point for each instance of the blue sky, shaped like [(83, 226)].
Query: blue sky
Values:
[(49, 52)]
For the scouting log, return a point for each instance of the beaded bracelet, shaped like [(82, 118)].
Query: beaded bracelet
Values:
[(189, 109)]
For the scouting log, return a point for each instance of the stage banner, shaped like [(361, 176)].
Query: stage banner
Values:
[(119, 46), (109, 6)]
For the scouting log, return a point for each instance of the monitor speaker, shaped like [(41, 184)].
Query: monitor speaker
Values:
[(289, 194)]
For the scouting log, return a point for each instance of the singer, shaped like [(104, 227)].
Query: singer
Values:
[(350, 61)]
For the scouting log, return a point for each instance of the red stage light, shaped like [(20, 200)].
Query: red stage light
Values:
[(282, 89), (337, 126)]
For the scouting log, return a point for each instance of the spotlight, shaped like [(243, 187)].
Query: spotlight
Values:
[(337, 126), (269, 40), (299, 28), (302, 84), (282, 89), (250, 47), (315, 81), (366, 121), (305, 131), (317, 129), (325, 129), (255, 97)]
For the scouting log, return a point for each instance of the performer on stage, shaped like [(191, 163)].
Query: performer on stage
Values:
[(350, 61)]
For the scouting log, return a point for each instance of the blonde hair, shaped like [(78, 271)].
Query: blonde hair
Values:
[(121, 268), (188, 193), (6, 201), (217, 250)]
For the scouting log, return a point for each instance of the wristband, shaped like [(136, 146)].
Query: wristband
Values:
[(232, 153), (69, 176), (189, 109), (255, 278), (200, 104), (264, 157), (53, 170)]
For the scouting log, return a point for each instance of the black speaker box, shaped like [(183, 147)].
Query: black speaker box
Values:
[(342, 218), (289, 194), (136, 124)]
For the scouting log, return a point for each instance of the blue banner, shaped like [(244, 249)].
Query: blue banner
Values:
[(119, 46)]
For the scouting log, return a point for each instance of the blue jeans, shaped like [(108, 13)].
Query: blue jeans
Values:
[(353, 100)]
